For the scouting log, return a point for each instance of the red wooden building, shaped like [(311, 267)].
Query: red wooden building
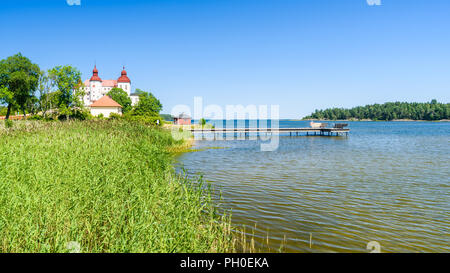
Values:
[(182, 119)]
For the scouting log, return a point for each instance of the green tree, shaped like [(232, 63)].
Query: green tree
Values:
[(148, 105), (67, 80), (122, 98), (139, 91), (202, 122), (19, 78)]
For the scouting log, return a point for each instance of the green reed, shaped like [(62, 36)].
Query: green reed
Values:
[(107, 185)]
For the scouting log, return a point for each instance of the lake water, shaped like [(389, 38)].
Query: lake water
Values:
[(387, 182)]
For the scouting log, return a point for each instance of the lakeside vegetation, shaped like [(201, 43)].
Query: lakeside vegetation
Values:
[(431, 111), (107, 185)]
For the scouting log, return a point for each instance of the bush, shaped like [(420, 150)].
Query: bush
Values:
[(81, 115), (147, 120), (36, 117), (115, 116), (76, 114), (49, 119), (9, 123)]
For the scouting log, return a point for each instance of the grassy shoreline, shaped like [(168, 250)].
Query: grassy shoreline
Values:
[(108, 185)]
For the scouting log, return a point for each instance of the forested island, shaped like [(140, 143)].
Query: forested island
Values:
[(430, 111)]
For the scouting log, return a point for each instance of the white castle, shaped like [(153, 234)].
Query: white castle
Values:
[(96, 88)]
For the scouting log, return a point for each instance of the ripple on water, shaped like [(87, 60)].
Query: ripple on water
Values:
[(387, 182)]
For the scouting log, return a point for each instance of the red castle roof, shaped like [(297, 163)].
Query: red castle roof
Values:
[(124, 77), (95, 76)]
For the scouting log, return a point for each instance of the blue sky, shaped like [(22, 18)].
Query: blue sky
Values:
[(300, 54)]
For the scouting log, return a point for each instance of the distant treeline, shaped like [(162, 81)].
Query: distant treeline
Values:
[(387, 111), (167, 117)]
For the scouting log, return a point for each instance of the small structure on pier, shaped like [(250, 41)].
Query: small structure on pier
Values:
[(317, 125)]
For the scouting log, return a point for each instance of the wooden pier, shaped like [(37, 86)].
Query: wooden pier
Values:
[(277, 131)]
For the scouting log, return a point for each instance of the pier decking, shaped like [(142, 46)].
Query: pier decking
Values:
[(279, 131)]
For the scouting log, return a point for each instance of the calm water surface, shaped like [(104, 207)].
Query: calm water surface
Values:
[(387, 182)]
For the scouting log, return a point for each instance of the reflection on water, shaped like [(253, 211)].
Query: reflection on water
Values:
[(386, 182)]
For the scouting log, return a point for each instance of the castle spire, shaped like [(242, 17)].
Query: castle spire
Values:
[(95, 76), (124, 78)]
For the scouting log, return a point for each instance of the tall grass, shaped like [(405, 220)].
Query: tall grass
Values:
[(107, 185)]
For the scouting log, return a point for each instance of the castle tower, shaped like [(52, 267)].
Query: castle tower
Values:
[(124, 82), (95, 85)]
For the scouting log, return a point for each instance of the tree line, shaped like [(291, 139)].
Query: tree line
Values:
[(57, 93), (388, 111)]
